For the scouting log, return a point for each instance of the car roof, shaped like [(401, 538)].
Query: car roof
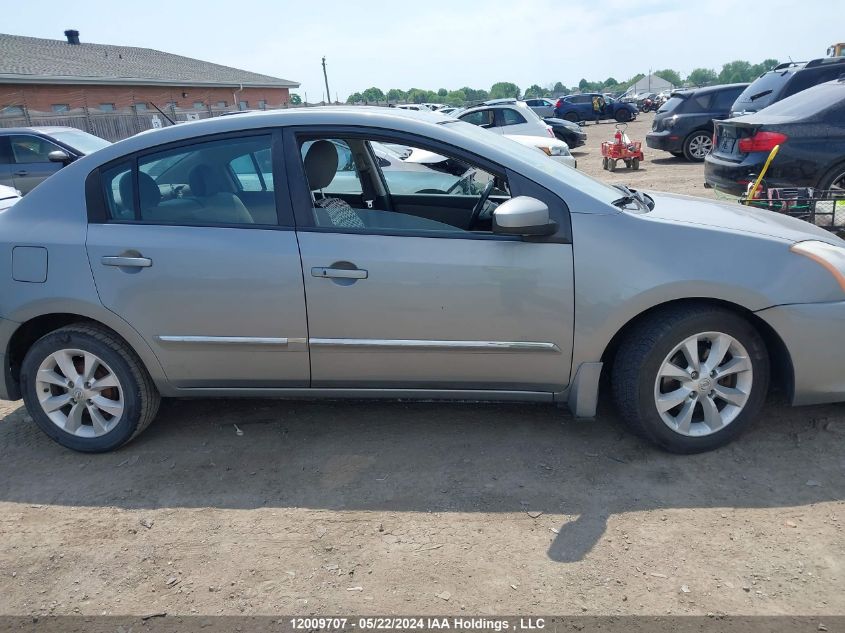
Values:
[(708, 89), (47, 129)]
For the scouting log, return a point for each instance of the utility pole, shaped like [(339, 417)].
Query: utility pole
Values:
[(326, 77)]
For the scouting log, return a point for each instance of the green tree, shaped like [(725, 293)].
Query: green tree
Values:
[(559, 89), (701, 77), (456, 98), (474, 94), (672, 76), (295, 99), (535, 91), (355, 97), (610, 81), (416, 95), (735, 71), (442, 92), (373, 95), (584, 85), (396, 94), (504, 90)]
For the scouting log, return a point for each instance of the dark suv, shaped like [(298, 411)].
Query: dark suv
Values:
[(785, 80), (580, 108), (683, 126)]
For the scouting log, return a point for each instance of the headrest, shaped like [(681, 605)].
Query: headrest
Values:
[(150, 193), (202, 181), (320, 164)]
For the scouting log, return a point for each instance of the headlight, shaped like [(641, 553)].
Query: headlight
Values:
[(555, 151), (829, 256)]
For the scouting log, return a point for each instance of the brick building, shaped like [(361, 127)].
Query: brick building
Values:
[(43, 76)]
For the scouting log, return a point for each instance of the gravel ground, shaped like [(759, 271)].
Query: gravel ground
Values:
[(368, 508)]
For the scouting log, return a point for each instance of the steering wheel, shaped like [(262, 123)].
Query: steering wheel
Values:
[(479, 206)]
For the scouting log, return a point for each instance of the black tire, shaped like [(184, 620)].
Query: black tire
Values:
[(611, 164), (623, 116), (635, 163), (571, 116), (604, 163), (690, 151), (833, 175), (641, 354), (677, 154), (140, 396)]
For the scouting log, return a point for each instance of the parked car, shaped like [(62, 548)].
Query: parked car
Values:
[(580, 108), (507, 116), (683, 126), (447, 110), (8, 196), (417, 107), (785, 80), (28, 155), (570, 133), (544, 108), (168, 277), (809, 127)]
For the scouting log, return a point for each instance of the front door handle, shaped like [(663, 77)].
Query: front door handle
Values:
[(22, 172), (127, 262), (338, 273)]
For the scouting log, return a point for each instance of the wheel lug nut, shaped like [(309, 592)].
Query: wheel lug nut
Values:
[(713, 374), (694, 375), (70, 384), (692, 394)]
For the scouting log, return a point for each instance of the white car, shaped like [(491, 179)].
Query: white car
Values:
[(554, 148), (507, 117), (542, 106), (419, 107), (8, 196)]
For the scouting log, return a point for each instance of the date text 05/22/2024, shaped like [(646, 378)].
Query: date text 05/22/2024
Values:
[(418, 623)]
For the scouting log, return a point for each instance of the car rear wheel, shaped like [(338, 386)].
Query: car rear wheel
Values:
[(697, 145), (571, 116), (690, 379), (86, 389), (623, 116)]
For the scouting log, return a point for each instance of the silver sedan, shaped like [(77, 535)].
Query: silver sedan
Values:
[(279, 255)]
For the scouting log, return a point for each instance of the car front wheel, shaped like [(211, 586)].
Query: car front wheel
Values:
[(623, 116), (86, 389), (690, 379)]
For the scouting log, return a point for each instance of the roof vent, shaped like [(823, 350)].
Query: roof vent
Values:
[(72, 36)]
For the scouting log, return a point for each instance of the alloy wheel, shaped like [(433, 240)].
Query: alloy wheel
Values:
[(700, 145), (79, 392), (703, 384)]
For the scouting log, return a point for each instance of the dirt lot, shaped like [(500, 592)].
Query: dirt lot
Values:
[(426, 508)]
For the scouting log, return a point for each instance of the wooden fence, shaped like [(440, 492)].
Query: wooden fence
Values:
[(112, 126)]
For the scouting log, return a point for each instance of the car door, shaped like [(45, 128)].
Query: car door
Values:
[(182, 248), (30, 160), (405, 295)]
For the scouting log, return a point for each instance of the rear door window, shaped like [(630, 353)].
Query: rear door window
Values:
[(483, 118), (510, 116), (723, 100)]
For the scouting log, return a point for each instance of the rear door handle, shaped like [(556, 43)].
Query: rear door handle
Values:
[(338, 273), (127, 262), (22, 172)]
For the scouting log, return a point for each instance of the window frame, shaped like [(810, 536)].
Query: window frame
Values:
[(518, 184), (97, 203)]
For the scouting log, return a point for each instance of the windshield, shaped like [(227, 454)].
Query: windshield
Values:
[(763, 91), (671, 104), (79, 140), (572, 177)]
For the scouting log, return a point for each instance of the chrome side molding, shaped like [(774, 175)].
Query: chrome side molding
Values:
[(232, 340), (445, 346)]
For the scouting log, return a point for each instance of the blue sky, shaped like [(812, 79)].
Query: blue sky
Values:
[(448, 43)]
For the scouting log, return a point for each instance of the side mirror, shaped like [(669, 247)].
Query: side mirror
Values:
[(59, 156), (523, 216)]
